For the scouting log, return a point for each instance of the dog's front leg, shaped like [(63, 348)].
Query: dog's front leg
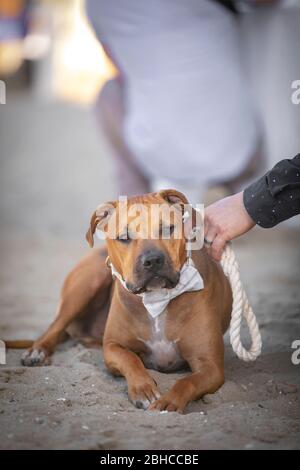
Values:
[(81, 285), (207, 380), (206, 361), (142, 389)]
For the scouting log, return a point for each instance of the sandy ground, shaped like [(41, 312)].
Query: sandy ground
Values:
[(53, 173)]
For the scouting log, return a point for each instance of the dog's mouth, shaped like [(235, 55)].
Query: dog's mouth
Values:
[(154, 282)]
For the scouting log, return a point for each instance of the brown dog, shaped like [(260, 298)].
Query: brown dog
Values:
[(189, 331)]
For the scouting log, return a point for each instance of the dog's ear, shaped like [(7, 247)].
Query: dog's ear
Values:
[(99, 220), (171, 196)]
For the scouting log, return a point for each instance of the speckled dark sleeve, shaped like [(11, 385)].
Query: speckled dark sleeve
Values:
[(276, 196)]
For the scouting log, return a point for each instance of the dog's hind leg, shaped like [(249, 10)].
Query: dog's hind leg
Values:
[(89, 279)]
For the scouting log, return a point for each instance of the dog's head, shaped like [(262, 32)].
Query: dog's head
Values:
[(145, 238)]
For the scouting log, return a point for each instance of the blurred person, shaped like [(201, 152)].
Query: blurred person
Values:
[(180, 113), (271, 199), (13, 29)]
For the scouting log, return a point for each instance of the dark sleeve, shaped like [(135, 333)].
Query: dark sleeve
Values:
[(276, 196)]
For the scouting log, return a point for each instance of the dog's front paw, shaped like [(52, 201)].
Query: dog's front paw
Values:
[(170, 401), (142, 394), (35, 357)]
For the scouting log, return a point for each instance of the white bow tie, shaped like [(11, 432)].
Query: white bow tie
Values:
[(156, 301)]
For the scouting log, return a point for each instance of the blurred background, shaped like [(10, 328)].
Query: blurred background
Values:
[(55, 159), (182, 89), (51, 156)]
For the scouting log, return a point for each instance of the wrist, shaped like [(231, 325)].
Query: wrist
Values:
[(245, 212)]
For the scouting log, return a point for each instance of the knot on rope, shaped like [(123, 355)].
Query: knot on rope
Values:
[(240, 309)]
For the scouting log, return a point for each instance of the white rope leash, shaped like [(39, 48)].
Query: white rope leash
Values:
[(240, 309)]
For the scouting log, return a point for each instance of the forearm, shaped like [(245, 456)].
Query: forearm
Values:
[(276, 196)]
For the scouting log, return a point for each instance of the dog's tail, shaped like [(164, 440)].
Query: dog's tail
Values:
[(19, 344)]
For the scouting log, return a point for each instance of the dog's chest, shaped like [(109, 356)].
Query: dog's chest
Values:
[(162, 354)]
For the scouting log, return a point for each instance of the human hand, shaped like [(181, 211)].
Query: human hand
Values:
[(225, 220)]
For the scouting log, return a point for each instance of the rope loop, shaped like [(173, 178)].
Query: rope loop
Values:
[(240, 309)]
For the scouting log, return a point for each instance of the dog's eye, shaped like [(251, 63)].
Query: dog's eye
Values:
[(124, 238), (167, 232)]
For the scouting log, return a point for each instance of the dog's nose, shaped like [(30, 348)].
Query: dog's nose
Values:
[(153, 260)]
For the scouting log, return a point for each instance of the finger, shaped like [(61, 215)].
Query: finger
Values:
[(206, 225), (217, 248), (210, 235)]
